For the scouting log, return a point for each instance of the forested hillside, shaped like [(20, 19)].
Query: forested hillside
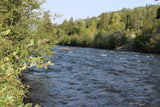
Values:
[(111, 30)]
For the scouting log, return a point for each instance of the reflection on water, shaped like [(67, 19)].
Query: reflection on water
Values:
[(96, 78)]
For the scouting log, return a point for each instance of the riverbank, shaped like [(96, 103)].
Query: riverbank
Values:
[(126, 47)]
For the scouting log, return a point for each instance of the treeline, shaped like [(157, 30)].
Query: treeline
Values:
[(114, 29)]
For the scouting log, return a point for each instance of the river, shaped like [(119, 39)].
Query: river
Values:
[(87, 77)]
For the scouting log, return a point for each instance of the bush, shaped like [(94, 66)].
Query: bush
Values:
[(22, 46), (85, 37), (74, 40), (142, 39), (153, 45), (66, 40), (148, 41), (111, 41), (121, 38), (100, 39)]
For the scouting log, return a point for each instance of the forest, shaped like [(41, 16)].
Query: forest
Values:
[(27, 36), (138, 28)]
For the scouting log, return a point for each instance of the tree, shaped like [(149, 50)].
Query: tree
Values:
[(78, 26), (104, 21), (93, 26), (46, 22), (158, 14), (21, 47), (115, 23), (121, 27), (65, 26)]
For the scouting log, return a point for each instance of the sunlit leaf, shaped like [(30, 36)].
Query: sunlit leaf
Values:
[(32, 41), (17, 49), (37, 105), (5, 68), (14, 53), (22, 55), (38, 66), (11, 56), (5, 32), (28, 105), (3, 104), (26, 53)]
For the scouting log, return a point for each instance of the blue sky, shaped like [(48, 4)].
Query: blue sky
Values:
[(80, 9)]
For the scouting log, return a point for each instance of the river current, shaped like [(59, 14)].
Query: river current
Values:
[(87, 77)]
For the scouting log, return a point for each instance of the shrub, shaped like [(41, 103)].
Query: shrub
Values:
[(21, 47), (121, 38), (142, 39)]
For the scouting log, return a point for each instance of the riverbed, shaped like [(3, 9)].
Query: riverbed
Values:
[(87, 77)]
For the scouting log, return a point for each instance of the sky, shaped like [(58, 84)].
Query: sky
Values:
[(81, 9)]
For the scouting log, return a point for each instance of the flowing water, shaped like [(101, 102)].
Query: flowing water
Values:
[(86, 77)]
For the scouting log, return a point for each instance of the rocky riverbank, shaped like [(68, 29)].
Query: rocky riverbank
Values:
[(127, 47)]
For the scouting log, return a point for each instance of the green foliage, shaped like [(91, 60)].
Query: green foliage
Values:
[(158, 13), (65, 40), (104, 21), (85, 37), (114, 29), (100, 39), (74, 41), (121, 38), (148, 41), (154, 43), (109, 40), (25, 40)]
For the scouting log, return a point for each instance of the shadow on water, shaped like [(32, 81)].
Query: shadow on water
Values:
[(96, 78)]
